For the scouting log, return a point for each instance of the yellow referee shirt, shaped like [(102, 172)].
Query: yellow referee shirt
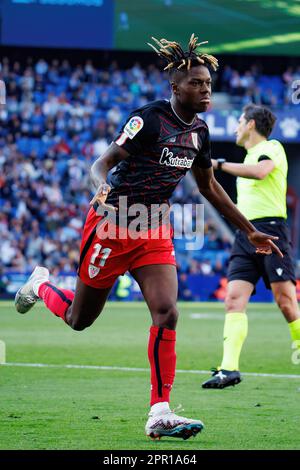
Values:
[(264, 198)]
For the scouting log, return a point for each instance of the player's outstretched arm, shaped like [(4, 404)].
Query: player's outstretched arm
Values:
[(99, 170), (257, 172), (214, 193)]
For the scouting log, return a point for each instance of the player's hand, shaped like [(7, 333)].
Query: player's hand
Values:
[(214, 163), (100, 197), (263, 243)]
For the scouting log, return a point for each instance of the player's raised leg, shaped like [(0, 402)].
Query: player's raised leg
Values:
[(235, 333), (159, 287), (79, 310), (27, 296), (286, 299)]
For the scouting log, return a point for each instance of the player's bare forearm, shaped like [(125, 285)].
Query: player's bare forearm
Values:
[(240, 169), (258, 171), (216, 195), (99, 171), (111, 157)]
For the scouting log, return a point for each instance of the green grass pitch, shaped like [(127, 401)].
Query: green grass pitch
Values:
[(231, 26), (66, 408)]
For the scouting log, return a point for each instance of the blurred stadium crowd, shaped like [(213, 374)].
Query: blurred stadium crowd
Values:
[(57, 120)]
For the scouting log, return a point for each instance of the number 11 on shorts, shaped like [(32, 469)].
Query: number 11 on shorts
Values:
[(101, 254)]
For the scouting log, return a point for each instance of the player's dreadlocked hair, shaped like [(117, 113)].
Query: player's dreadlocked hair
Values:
[(178, 59)]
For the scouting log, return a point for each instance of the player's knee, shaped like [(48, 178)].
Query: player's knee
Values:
[(285, 304), (166, 315), (79, 324), (234, 302)]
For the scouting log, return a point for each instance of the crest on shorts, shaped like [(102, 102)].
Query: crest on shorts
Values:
[(195, 139), (93, 271), (279, 271), (133, 126)]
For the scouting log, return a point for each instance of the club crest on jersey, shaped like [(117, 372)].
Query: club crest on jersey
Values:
[(93, 271), (167, 158), (133, 126), (195, 139)]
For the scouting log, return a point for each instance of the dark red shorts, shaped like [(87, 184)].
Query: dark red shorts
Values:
[(103, 258)]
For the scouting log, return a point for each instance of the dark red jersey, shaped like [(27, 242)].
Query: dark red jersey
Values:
[(162, 149)]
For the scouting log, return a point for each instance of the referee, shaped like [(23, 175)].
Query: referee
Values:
[(261, 197)]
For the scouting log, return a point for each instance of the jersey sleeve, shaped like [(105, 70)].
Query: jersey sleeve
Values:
[(272, 151), (203, 159), (263, 157), (140, 130)]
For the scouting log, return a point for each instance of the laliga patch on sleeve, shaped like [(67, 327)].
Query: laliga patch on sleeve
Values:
[(133, 126)]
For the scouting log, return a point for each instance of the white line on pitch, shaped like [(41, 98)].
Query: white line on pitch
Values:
[(139, 369), (221, 316)]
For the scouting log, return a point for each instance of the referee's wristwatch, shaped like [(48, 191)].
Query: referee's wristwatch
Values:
[(220, 163)]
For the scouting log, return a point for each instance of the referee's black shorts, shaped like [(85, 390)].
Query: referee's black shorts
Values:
[(246, 265)]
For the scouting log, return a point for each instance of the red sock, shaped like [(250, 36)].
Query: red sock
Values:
[(162, 358), (56, 300)]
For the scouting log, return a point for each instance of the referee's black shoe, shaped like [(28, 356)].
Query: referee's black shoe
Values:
[(222, 378)]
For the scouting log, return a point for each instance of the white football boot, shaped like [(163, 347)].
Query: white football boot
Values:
[(27, 295), (164, 422)]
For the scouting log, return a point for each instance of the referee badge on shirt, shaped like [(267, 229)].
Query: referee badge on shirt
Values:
[(133, 126), (93, 271)]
